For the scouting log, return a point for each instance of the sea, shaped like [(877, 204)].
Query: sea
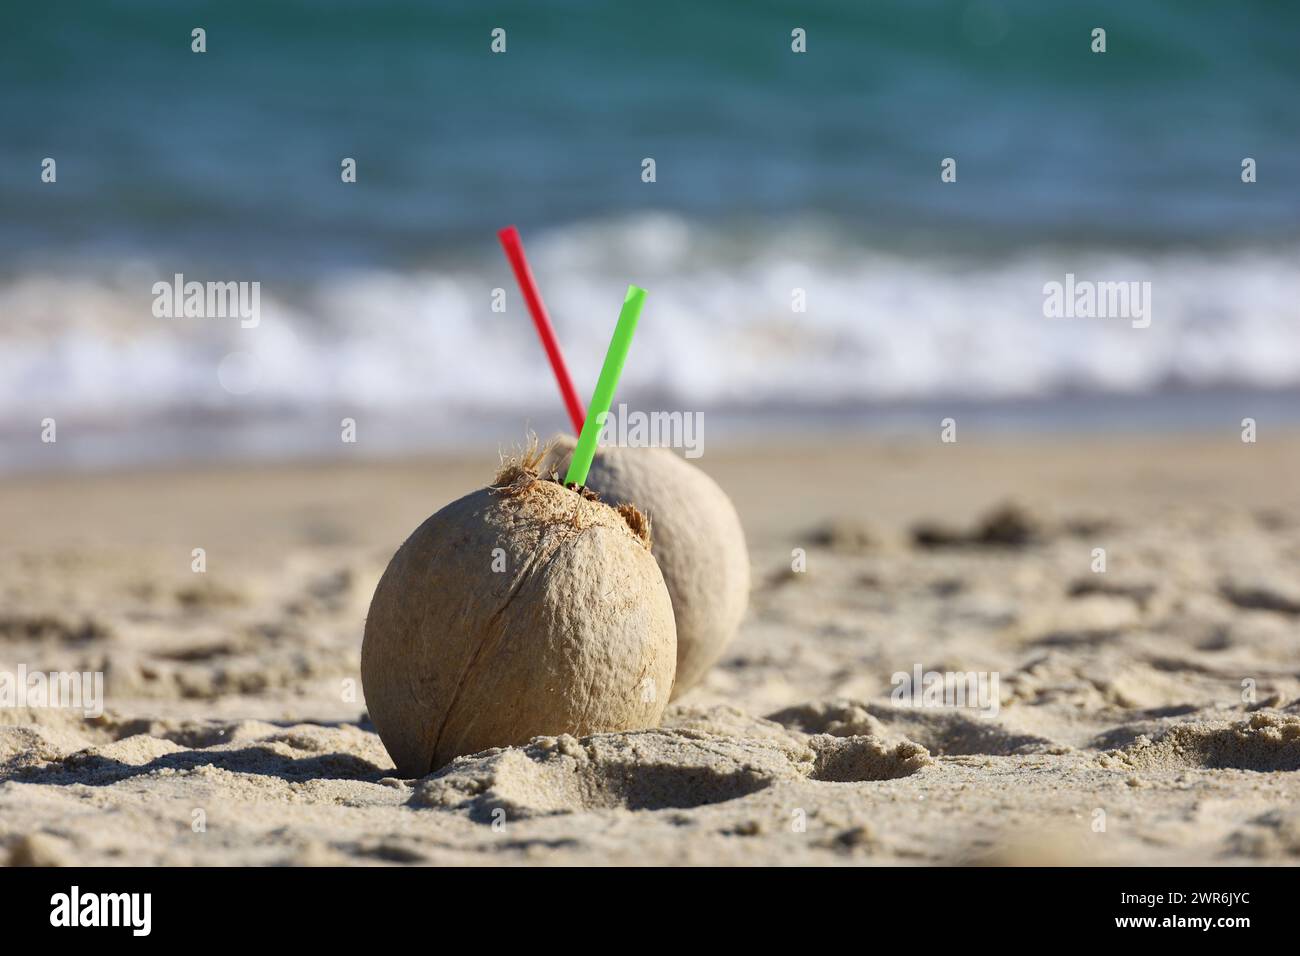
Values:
[(815, 265)]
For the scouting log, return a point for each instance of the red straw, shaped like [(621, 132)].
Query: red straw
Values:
[(514, 248)]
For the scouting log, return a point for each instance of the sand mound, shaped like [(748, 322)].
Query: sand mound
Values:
[(1267, 741), (653, 770), (1005, 526), (840, 718), (857, 759), (943, 732), (36, 756), (1274, 835), (649, 770), (52, 627)]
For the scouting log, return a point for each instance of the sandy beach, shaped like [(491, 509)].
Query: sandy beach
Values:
[(1147, 714)]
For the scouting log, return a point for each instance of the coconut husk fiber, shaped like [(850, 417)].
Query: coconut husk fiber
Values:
[(522, 609), (698, 543)]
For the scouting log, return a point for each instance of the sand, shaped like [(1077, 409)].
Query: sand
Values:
[(234, 728)]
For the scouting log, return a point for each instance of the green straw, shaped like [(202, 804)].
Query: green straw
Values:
[(605, 385)]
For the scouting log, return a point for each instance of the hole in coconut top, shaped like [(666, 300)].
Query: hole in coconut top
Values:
[(520, 471)]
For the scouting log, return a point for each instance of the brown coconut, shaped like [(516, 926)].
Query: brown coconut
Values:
[(566, 629), (697, 541)]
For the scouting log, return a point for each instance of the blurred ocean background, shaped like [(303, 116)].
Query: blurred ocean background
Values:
[(775, 171)]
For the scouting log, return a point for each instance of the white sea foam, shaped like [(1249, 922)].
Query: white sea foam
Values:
[(718, 330)]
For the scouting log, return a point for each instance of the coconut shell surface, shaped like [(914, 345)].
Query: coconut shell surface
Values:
[(697, 540), (514, 613)]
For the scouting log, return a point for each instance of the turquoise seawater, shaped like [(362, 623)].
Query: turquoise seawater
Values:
[(775, 171)]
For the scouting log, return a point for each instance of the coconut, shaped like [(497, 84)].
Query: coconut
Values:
[(698, 543), (521, 610)]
